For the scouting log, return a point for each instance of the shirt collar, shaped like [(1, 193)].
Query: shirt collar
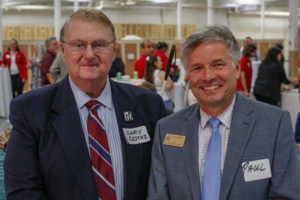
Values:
[(224, 117), (82, 98)]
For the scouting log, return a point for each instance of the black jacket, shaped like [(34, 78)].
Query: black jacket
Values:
[(269, 79)]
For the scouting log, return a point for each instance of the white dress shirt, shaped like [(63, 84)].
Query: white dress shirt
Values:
[(205, 132)]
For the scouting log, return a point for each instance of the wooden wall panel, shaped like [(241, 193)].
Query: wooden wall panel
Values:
[(10, 32), (26, 33), (130, 58)]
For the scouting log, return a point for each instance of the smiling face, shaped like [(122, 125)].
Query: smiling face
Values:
[(88, 67), (212, 76)]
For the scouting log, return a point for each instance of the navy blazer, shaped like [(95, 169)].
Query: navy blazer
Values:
[(47, 156)]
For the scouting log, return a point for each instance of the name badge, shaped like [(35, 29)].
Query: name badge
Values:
[(136, 135), (7, 56), (174, 140), (256, 170)]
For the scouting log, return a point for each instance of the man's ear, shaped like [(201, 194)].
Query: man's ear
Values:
[(238, 70)]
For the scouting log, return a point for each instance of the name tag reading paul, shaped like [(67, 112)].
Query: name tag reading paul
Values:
[(174, 140), (256, 170), (136, 135)]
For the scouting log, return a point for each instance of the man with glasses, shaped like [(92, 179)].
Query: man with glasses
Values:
[(85, 137)]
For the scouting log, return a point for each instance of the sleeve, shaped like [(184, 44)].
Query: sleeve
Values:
[(46, 64), (23, 64), (55, 67), (243, 63), (285, 183), (158, 185), (4, 59), (283, 78), (23, 178)]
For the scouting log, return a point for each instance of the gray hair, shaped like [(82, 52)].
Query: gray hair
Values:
[(89, 15), (210, 34), (48, 40)]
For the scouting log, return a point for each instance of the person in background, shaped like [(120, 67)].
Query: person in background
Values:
[(86, 137), (117, 65), (147, 50), (47, 60), (155, 75), (270, 76), (35, 65), (244, 82), (280, 47), (162, 48), (248, 40), (16, 62), (226, 146), (58, 69)]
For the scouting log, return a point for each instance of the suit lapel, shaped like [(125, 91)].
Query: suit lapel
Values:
[(68, 127), (132, 154), (241, 128), (190, 149)]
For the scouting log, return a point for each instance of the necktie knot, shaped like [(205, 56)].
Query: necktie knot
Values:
[(214, 122), (92, 104)]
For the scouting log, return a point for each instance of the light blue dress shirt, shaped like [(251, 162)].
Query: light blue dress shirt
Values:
[(106, 112)]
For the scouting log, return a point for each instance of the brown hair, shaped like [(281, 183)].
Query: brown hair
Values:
[(248, 49), (90, 15), (17, 45), (150, 68)]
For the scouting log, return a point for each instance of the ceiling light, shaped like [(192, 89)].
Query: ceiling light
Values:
[(163, 1)]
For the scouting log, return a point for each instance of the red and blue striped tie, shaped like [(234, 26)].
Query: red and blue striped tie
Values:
[(100, 154)]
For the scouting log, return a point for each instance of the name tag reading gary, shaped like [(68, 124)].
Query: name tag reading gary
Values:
[(136, 135), (256, 170)]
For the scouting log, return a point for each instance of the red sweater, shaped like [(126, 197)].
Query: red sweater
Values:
[(20, 61), (140, 65)]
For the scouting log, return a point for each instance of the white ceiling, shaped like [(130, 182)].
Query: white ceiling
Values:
[(234, 5)]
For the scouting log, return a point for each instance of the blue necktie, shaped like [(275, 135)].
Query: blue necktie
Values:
[(211, 183)]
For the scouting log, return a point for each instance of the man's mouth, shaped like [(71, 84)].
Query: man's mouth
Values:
[(211, 87)]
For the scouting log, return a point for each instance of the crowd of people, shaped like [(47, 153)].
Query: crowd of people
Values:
[(90, 137)]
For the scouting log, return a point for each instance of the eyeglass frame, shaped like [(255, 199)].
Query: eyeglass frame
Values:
[(105, 47)]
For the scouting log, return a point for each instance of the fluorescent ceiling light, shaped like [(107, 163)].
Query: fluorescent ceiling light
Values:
[(80, 0), (163, 1), (249, 2)]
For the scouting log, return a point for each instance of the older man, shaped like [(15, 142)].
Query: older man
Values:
[(85, 137), (225, 146), (47, 60)]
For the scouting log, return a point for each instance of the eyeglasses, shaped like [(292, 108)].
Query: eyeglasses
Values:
[(99, 46)]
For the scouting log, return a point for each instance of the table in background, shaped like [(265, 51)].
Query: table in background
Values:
[(176, 94), (5, 92), (290, 101)]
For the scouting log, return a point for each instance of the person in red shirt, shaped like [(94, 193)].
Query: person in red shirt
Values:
[(162, 48), (244, 82), (16, 62), (147, 50)]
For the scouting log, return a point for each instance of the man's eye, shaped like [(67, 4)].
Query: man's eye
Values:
[(99, 44), (78, 45), (219, 64)]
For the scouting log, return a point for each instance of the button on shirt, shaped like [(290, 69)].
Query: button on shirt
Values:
[(205, 132), (107, 114)]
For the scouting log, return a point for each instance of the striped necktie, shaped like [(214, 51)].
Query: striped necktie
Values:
[(100, 154), (211, 183)]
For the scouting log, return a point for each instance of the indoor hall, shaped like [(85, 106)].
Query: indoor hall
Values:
[(268, 23)]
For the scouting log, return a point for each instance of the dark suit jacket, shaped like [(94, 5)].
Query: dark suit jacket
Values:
[(269, 79), (258, 131), (47, 156)]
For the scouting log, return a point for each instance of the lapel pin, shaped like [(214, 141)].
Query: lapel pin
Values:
[(128, 117)]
